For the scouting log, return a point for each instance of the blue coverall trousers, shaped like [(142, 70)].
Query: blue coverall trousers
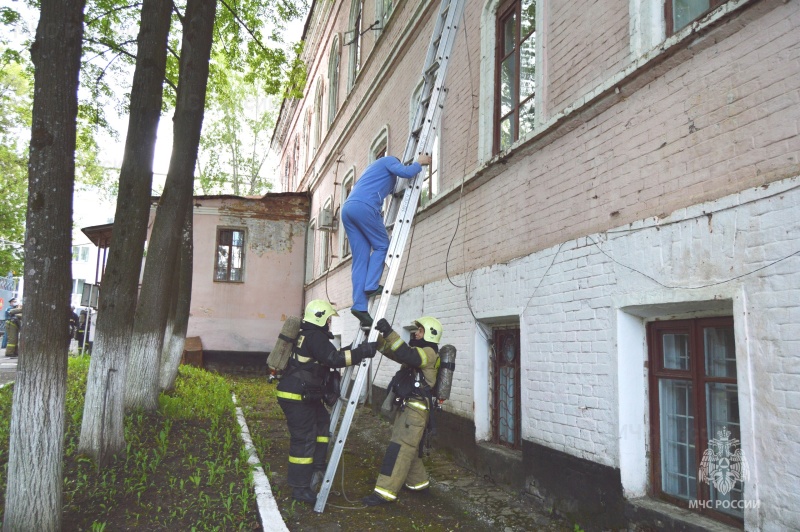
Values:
[(369, 244)]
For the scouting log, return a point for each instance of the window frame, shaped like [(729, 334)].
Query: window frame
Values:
[(430, 180), (344, 242), (325, 241), (334, 61), (310, 250), (696, 375), (354, 57), (497, 336), (505, 9), (316, 133), (219, 231)]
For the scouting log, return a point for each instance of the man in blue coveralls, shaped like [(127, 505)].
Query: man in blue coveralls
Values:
[(361, 215)]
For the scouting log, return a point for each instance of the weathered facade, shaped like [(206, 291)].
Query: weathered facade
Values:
[(611, 239), (248, 270)]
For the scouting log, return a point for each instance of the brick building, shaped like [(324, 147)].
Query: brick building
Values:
[(610, 234)]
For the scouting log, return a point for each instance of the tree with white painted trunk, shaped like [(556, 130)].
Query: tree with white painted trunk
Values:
[(178, 322), (144, 359), (36, 443), (102, 428)]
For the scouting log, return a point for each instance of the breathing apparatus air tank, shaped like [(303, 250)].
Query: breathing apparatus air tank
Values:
[(279, 356), (447, 366)]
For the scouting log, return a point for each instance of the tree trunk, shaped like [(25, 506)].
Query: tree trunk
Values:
[(151, 313), (179, 314), (102, 433), (36, 443)]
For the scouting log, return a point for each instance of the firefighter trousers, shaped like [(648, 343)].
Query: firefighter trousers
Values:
[(308, 439), (401, 463)]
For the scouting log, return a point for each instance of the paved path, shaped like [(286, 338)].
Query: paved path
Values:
[(8, 367)]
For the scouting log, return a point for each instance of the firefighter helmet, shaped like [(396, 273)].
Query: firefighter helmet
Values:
[(318, 311), (433, 328)]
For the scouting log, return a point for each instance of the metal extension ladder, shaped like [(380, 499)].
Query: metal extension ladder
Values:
[(401, 212)]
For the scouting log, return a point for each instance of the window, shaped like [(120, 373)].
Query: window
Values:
[(295, 160), (679, 13), (230, 255), (506, 384), (80, 253), (77, 286), (312, 228), (515, 67), (286, 177), (347, 187), (383, 10), (333, 79), (317, 131), (430, 183), (694, 403), (324, 238), (353, 40), (378, 149)]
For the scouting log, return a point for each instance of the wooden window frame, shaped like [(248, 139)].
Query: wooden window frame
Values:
[(228, 279), (696, 375), (669, 14), (506, 9)]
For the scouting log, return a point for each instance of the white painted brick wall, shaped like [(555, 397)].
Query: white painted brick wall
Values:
[(570, 395)]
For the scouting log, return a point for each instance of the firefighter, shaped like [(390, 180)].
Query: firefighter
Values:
[(306, 381), (402, 464), (13, 326)]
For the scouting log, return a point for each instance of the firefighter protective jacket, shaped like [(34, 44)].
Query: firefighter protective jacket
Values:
[(425, 359), (312, 355)]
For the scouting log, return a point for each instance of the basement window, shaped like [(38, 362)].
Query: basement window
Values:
[(230, 256), (694, 421)]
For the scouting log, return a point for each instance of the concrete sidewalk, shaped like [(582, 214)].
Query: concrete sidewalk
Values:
[(8, 367)]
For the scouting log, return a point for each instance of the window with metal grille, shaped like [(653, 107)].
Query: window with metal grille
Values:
[(515, 66), (506, 419), (230, 256), (694, 406)]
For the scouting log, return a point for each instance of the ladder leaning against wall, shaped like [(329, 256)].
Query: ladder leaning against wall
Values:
[(401, 212)]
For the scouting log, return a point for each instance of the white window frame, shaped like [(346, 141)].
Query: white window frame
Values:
[(324, 241), (382, 15), (344, 245), (310, 242), (317, 116), (486, 100), (432, 171), (334, 62), (355, 25)]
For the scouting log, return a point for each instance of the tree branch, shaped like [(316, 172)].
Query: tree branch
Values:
[(120, 8)]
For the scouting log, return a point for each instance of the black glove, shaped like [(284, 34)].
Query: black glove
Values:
[(367, 349), (383, 327)]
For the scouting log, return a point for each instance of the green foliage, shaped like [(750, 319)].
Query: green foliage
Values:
[(16, 87), (235, 141)]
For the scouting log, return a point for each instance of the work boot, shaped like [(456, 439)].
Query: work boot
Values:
[(304, 495), (375, 292), (363, 316), (316, 479), (373, 499)]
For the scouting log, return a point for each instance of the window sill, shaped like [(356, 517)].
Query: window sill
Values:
[(672, 517)]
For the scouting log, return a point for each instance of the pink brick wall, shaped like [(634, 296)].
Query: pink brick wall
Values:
[(718, 119)]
